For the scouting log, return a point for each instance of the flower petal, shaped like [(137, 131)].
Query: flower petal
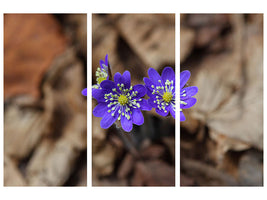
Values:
[(107, 85), (127, 79), (138, 117), (140, 89), (182, 117), (98, 95), (118, 78), (126, 124), (162, 112), (184, 77), (108, 119), (172, 111), (149, 93), (154, 76), (189, 103), (106, 60), (168, 74), (101, 62), (100, 110), (144, 105), (151, 102), (189, 91), (148, 83), (84, 92)]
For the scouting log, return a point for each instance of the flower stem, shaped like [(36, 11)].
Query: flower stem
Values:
[(128, 143)]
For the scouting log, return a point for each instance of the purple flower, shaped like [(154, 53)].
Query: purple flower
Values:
[(102, 72), (186, 93), (161, 90), (84, 92), (119, 100)]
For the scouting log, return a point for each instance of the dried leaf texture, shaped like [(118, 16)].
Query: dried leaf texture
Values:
[(230, 100), (45, 134), (227, 67), (31, 42)]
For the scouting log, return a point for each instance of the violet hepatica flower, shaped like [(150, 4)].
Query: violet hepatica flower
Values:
[(161, 90), (186, 93), (119, 100), (102, 72)]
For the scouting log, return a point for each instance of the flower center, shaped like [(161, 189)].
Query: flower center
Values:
[(101, 75), (100, 79), (123, 99), (167, 97)]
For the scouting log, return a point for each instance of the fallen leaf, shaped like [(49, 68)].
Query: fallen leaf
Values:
[(31, 42)]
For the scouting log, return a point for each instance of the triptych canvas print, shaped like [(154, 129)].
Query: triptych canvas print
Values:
[(129, 77)]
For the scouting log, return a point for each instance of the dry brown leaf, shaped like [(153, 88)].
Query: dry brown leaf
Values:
[(153, 152), (153, 173), (32, 41), (77, 25), (150, 36), (230, 89), (23, 123), (187, 39), (103, 160), (12, 176), (52, 164), (224, 144), (53, 160), (251, 169)]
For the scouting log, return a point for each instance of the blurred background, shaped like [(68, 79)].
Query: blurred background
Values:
[(44, 111), (146, 156), (222, 137)]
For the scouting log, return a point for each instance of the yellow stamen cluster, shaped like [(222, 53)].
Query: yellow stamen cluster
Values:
[(101, 75), (164, 95), (167, 97), (122, 101)]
